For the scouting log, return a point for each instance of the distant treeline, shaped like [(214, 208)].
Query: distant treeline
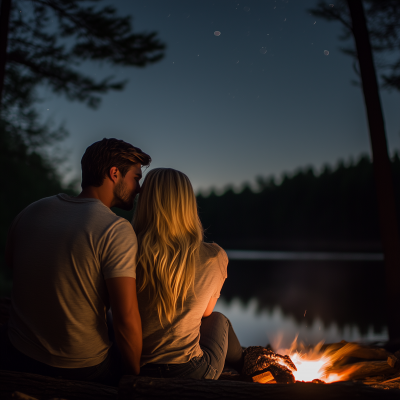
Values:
[(333, 210)]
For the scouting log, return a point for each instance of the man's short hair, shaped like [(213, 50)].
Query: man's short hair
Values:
[(101, 156)]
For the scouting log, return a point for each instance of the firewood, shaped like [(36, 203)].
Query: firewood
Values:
[(44, 387), (259, 359), (259, 377), (397, 378), (393, 361), (349, 349), (369, 353), (364, 369), (333, 346), (264, 377)]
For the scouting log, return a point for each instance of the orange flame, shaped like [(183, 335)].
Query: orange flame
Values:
[(315, 363)]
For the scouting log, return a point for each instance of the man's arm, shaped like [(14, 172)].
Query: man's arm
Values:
[(127, 322)]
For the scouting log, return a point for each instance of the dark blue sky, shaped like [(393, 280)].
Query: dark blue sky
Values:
[(259, 99)]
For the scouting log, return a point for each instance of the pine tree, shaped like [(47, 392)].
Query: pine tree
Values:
[(381, 34), (48, 40), (383, 20)]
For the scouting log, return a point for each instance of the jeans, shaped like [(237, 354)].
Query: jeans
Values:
[(220, 347), (107, 372)]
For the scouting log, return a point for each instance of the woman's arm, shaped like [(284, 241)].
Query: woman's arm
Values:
[(210, 307)]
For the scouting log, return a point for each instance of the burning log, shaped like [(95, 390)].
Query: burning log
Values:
[(364, 370), (264, 377), (357, 351), (259, 360)]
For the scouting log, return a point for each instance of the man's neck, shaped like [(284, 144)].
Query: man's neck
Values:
[(102, 193)]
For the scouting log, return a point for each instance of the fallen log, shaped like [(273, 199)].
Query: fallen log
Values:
[(46, 388), (369, 353), (144, 388), (355, 350), (364, 370)]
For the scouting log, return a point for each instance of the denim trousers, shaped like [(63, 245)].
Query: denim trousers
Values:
[(220, 347), (107, 372)]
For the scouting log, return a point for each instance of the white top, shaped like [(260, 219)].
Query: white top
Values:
[(178, 342), (63, 248)]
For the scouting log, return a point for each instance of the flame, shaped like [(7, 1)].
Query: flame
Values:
[(315, 363), (308, 370)]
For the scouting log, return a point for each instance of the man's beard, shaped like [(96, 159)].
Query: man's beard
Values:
[(124, 198)]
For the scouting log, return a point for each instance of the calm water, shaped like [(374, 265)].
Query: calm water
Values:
[(319, 296)]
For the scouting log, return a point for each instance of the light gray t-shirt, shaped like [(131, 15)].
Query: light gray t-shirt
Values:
[(178, 342), (63, 248)]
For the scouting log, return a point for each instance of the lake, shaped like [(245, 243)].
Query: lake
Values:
[(270, 297)]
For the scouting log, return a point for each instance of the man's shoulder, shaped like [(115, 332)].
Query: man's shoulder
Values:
[(37, 205), (62, 208)]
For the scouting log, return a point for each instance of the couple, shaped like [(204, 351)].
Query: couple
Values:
[(73, 258)]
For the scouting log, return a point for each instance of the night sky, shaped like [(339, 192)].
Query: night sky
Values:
[(261, 98)]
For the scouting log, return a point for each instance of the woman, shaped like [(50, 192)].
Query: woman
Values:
[(179, 279)]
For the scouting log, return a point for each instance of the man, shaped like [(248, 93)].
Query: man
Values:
[(72, 258)]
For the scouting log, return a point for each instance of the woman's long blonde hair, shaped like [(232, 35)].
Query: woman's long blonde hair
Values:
[(169, 235)]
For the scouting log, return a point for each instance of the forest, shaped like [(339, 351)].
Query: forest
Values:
[(334, 210)]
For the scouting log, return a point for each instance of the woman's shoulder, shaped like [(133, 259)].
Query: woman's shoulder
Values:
[(211, 253), (212, 250)]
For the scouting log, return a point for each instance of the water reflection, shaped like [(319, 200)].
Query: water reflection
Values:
[(338, 296), (255, 326)]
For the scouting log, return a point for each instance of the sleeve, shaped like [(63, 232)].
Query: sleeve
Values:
[(119, 252), (221, 272)]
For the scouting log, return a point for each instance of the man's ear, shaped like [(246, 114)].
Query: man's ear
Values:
[(113, 174)]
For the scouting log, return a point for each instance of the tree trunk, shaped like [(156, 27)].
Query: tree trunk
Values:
[(4, 23), (137, 388), (45, 388), (382, 168)]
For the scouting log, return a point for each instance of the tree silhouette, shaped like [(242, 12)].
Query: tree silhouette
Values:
[(48, 40), (385, 32), (383, 21)]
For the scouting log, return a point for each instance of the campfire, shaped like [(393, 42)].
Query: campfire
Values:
[(322, 363)]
